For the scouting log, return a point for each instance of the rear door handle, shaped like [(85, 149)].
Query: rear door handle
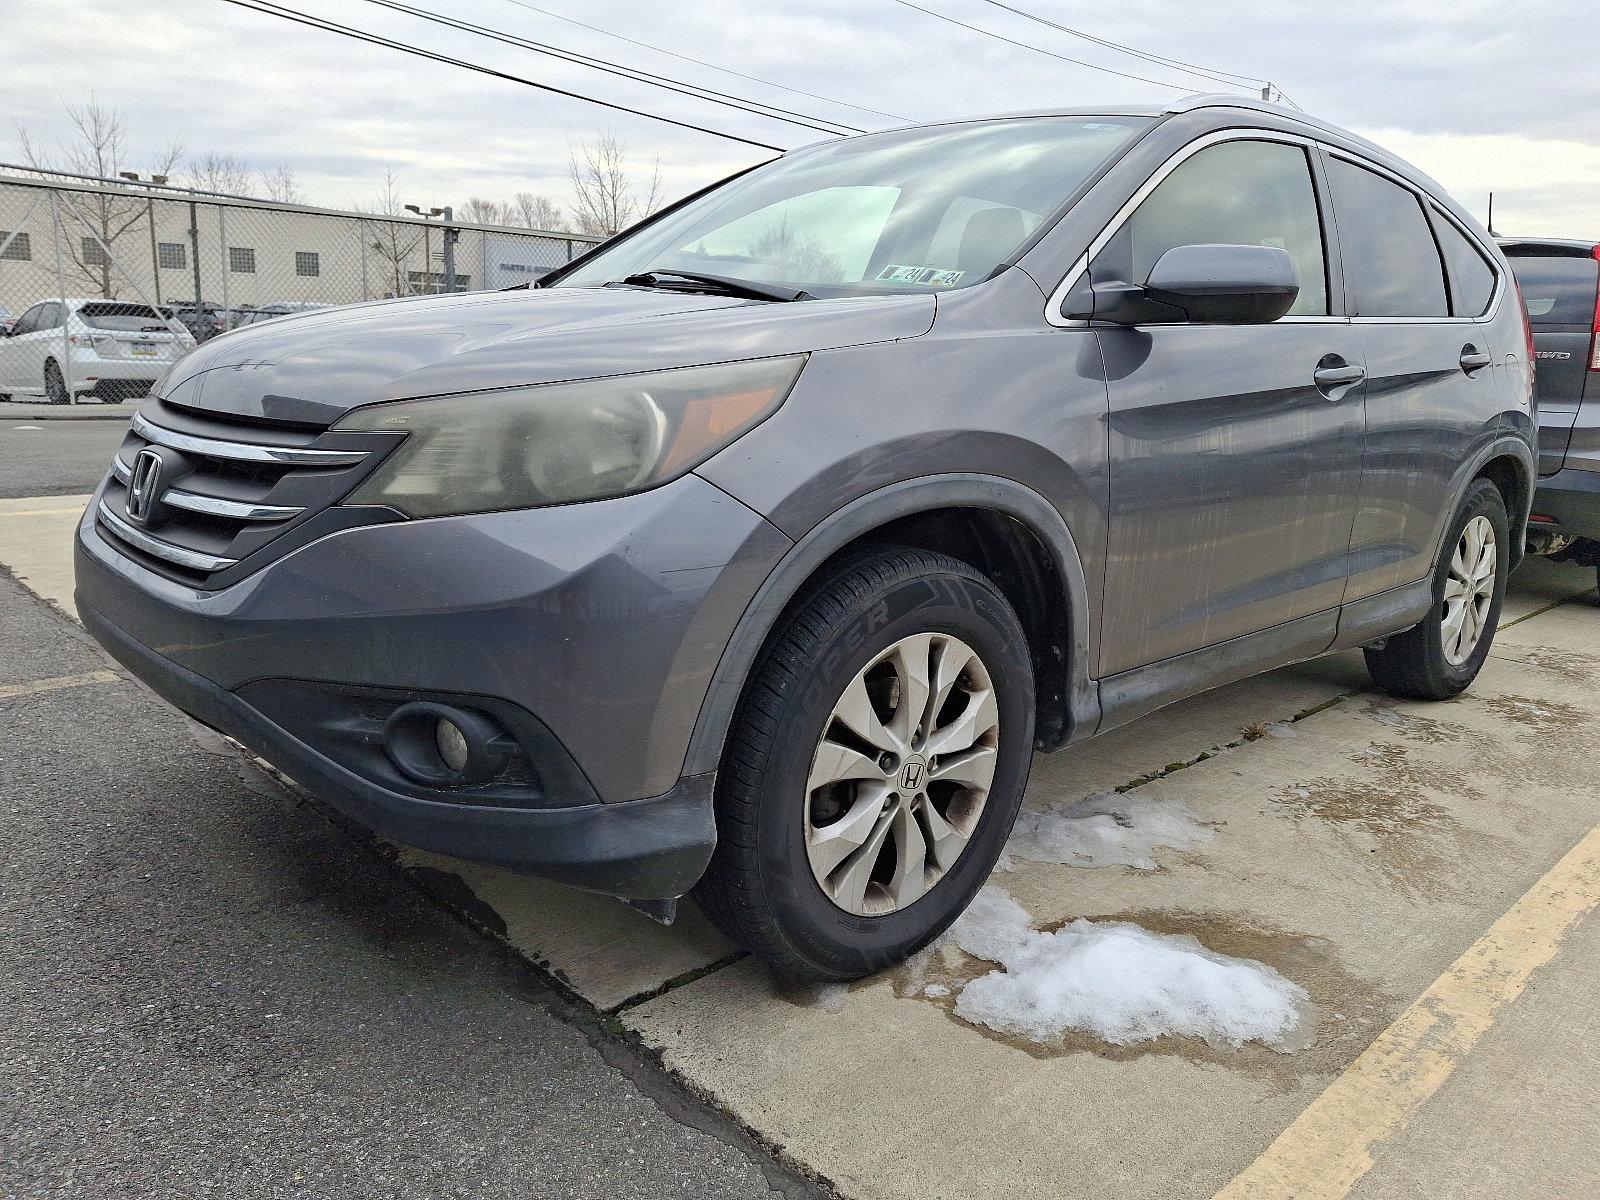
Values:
[(1473, 359)]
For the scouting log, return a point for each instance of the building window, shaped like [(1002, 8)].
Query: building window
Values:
[(173, 256), (307, 262), (241, 260), (18, 249), (94, 254)]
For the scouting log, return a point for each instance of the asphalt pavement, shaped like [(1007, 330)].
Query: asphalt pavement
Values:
[(208, 988), (56, 458)]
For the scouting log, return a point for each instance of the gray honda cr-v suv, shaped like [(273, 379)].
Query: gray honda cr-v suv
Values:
[(756, 552)]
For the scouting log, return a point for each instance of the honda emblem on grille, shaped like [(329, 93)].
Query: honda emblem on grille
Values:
[(142, 484)]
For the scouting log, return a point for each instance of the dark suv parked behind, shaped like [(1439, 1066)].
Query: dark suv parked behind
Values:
[(1560, 283), (757, 551)]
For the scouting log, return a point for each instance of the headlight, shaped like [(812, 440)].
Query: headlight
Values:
[(560, 442)]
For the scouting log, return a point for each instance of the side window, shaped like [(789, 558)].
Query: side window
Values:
[(49, 317), (1391, 263), (28, 322), (1243, 193), (1471, 276)]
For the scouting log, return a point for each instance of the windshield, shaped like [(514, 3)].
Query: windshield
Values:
[(127, 318), (914, 210)]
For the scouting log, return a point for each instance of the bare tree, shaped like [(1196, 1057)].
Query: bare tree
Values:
[(393, 242), (279, 183), (92, 223), (604, 199), (482, 211), (530, 210), (214, 172), (537, 211)]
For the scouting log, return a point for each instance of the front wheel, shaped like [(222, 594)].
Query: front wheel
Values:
[(55, 386), (1440, 656), (874, 768)]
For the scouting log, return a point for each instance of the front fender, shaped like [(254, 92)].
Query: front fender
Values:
[(857, 520)]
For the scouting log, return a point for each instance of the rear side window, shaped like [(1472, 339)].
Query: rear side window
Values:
[(1558, 291), (1240, 193), (130, 318), (1471, 276), (1391, 263)]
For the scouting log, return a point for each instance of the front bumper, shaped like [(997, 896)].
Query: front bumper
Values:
[(602, 623), (651, 849)]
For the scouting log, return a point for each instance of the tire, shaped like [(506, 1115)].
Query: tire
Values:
[(55, 386), (1425, 662), (852, 640)]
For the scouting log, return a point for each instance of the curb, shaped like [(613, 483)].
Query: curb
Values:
[(13, 411)]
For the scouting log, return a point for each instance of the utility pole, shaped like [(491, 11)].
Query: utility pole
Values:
[(150, 217), (450, 236), (448, 282)]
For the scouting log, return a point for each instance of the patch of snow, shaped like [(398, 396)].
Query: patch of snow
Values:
[(15, 427), (1388, 716), (936, 990), (1279, 729), (1120, 983), (829, 997), (1105, 831)]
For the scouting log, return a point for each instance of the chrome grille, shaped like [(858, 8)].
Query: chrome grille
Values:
[(225, 491)]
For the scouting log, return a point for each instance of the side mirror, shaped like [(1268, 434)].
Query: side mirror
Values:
[(1205, 284), (1226, 285)]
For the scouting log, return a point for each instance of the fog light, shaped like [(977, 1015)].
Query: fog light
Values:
[(446, 747), (452, 744)]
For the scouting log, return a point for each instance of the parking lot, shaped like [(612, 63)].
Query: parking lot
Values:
[(1426, 873)]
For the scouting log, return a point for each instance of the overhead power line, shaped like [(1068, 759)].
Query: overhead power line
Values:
[(709, 65), (770, 111), (1215, 74), (1078, 62), (289, 14)]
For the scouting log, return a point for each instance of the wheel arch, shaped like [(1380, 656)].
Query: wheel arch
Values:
[(1512, 473), (1003, 528)]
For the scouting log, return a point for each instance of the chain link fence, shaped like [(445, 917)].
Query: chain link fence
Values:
[(212, 263)]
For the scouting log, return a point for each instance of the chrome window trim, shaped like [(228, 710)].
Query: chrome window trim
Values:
[(1052, 310), (244, 451), (218, 507), (156, 548)]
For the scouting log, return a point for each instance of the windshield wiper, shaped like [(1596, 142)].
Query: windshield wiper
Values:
[(656, 276)]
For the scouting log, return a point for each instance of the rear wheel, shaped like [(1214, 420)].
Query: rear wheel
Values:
[(55, 387), (1440, 656), (874, 768)]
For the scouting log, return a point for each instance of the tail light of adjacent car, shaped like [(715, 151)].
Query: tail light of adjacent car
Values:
[(1527, 336), (1594, 333)]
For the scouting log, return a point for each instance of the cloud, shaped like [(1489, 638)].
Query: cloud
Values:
[(1475, 97)]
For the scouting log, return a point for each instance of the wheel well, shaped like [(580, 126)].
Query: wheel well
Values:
[(1509, 478), (1021, 566)]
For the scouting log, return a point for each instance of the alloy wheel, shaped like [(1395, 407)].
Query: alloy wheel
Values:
[(1469, 590), (899, 779)]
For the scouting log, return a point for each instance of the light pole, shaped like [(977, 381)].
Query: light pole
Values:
[(450, 236), (150, 217)]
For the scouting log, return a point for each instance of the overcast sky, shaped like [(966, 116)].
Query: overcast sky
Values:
[(1482, 95)]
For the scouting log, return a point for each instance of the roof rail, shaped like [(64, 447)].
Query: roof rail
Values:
[(1227, 100)]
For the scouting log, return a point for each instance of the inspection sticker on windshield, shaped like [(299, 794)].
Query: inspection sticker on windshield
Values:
[(894, 273)]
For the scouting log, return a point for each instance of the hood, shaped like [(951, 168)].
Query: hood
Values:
[(316, 366)]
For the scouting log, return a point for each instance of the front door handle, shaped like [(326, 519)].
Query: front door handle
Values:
[(1335, 376), (1473, 359)]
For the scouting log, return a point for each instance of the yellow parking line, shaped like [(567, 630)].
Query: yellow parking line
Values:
[(1329, 1147), (33, 687)]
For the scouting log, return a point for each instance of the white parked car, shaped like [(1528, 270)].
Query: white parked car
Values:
[(110, 349)]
